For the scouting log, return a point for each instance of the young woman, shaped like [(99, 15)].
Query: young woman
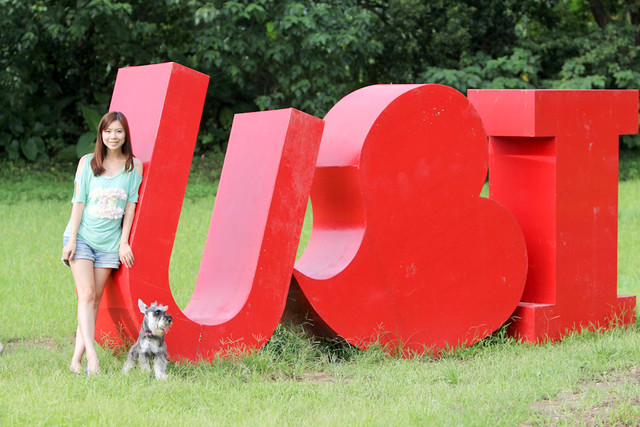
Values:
[(96, 239)]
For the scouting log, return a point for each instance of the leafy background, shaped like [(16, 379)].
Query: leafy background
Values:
[(59, 59)]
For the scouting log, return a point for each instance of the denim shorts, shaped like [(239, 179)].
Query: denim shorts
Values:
[(100, 259)]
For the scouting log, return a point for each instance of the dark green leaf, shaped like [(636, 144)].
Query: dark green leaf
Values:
[(29, 148), (91, 118), (86, 144)]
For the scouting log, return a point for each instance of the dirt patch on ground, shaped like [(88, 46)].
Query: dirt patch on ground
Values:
[(317, 377), (47, 343), (600, 401)]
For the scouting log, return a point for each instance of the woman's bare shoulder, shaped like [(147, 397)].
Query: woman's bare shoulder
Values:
[(81, 163), (137, 165)]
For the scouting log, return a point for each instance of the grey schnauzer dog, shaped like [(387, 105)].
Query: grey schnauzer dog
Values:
[(150, 342)]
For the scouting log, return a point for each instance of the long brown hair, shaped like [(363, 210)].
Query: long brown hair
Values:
[(101, 150)]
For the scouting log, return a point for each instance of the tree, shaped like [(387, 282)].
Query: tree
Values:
[(272, 54), (58, 56), (58, 59)]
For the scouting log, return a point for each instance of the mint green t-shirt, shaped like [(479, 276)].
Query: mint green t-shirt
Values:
[(105, 198)]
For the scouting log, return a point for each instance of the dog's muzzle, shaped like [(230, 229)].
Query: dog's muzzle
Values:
[(167, 321)]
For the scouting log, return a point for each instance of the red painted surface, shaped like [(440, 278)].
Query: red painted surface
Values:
[(403, 250), (244, 276), (554, 165)]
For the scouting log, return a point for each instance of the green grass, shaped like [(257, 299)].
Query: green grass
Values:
[(589, 378)]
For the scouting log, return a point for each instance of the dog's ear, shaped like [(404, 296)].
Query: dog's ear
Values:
[(142, 306), (163, 308)]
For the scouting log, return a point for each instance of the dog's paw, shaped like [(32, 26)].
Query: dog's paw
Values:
[(162, 376), (128, 365)]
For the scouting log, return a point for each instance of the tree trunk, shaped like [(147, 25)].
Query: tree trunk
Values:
[(634, 11), (600, 13)]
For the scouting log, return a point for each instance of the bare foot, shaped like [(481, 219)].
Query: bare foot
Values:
[(93, 368), (91, 372), (76, 368)]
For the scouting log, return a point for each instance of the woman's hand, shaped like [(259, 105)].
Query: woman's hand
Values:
[(126, 255), (69, 250)]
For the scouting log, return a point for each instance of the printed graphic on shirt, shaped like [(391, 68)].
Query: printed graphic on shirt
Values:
[(103, 203)]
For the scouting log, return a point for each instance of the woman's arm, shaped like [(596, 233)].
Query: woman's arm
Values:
[(76, 216), (126, 255), (125, 252), (74, 224)]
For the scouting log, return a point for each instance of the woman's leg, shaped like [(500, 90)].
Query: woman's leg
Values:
[(90, 283), (82, 270), (78, 352), (100, 276)]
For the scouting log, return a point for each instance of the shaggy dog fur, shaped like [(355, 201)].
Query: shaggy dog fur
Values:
[(150, 342)]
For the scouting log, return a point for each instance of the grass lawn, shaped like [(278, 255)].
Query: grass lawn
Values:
[(589, 378)]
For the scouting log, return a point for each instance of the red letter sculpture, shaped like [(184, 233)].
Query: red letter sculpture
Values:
[(249, 254), (403, 250), (554, 165)]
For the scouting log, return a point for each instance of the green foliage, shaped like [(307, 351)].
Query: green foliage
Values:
[(87, 140), (272, 54), (629, 165), (418, 35), (519, 70), (60, 58), (56, 56)]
